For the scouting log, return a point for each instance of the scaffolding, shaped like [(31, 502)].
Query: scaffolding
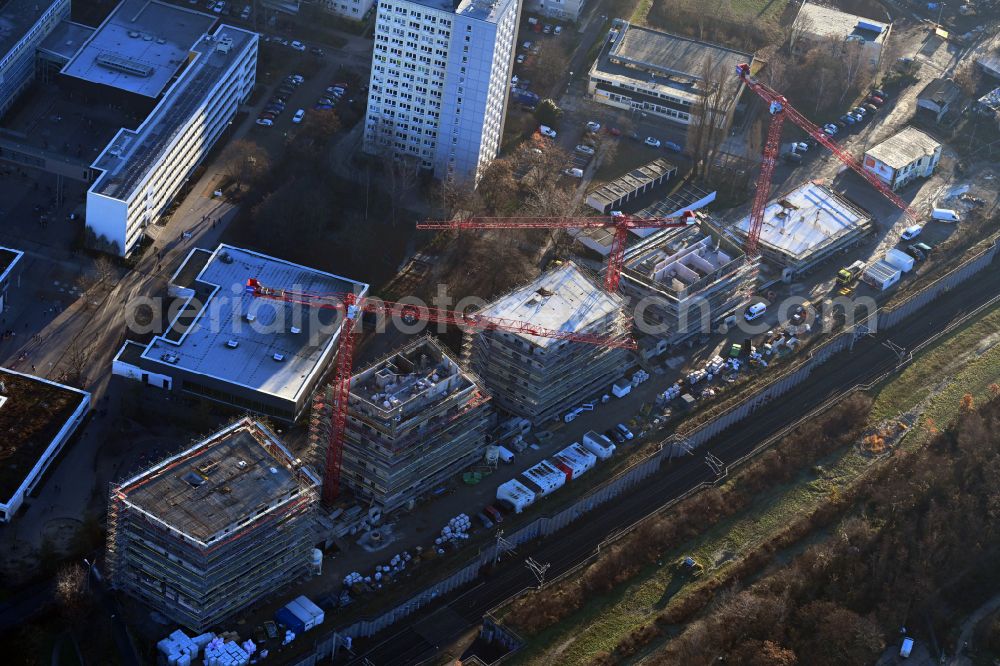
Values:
[(199, 562)]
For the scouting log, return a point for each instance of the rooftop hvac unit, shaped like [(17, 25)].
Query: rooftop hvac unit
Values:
[(295, 330), (279, 357), (233, 344)]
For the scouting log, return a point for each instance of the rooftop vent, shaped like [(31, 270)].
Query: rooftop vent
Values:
[(279, 357), (295, 330), (170, 358), (226, 258), (242, 464), (233, 344), (250, 316)]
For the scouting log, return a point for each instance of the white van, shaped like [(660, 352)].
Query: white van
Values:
[(755, 311), (945, 215)]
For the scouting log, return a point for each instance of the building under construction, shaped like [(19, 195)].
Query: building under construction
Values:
[(686, 280), (536, 377), (414, 420), (210, 530)]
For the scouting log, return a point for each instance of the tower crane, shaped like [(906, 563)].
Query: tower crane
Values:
[(780, 109), (353, 306), (621, 223)]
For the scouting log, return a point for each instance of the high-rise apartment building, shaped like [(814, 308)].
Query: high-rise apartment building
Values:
[(438, 90)]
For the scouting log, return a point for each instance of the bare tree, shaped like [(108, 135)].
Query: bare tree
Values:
[(243, 163), (709, 117), (70, 583), (105, 269)]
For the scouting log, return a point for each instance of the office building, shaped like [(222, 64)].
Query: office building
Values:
[(207, 532), (162, 53), (684, 281), (806, 226), (902, 158), (230, 347), (438, 89), (415, 419), (667, 76), (24, 25), (536, 377), (817, 24), (37, 418)]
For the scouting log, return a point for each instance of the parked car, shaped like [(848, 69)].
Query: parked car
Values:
[(265, 122), (652, 142), (915, 252), (876, 100), (859, 111), (584, 149), (297, 79), (910, 233), (614, 436), (323, 107), (547, 29), (593, 126), (840, 124), (486, 522), (878, 92), (547, 131), (670, 145), (298, 46), (299, 115), (326, 101), (923, 247), (573, 172), (520, 58), (800, 147), (268, 115), (557, 30), (830, 130), (870, 108), (848, 118), (621, 427), (496, 512)]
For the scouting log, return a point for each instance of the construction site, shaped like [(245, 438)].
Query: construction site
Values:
[(209, 531), (807, 225), (686, 279), (538, 377), (414, 420)]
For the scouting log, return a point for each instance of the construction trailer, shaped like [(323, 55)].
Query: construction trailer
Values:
[(537, 377), (881, 275), (415, 419), (211, 530), (689, 279)]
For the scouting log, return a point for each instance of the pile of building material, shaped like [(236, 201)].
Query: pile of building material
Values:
[(220, 652), (179, 649), (457, 529)]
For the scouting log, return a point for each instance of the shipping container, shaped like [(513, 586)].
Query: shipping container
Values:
[(308, 620), (881, 275), (899, 259), (574, 460), (516, 494), (289, 619), (312, 609), (598, 444), (546, 476)]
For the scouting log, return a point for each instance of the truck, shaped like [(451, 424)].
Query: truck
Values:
[(849, 274), (598, 444)]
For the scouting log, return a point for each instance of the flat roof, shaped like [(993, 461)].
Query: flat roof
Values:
[(562, 299), (140, 46), (66, 39), (240, 474), (631, 182), (132, 153), (216, 314), (806, 219), (16, 19), (419, 374), (904, 147), (8, 259), (829, 22), (33, 411), (483, 10), (668, 64)]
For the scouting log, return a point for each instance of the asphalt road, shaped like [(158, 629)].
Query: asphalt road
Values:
[(869, 359)]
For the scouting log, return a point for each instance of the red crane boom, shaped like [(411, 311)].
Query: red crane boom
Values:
[(780, 109), (352, 306), (619, 221)]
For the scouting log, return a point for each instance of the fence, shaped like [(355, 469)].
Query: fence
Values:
[(636, 473)]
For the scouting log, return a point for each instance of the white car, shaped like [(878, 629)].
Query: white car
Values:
[(593, 126), (547, 131), (755, 311), (584, 149), (521, 58), (299, 115), (557, 30), (574, 172), (296, 79), (800, 147), (911, 232), (651, 142), (298, 46), (623, 429), (265, 122)]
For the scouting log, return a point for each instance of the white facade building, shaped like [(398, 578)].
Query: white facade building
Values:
[(438, 90), (563, 10), (141, 170), (24, 24), (903, 157), (815, 24), (350, 9)]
